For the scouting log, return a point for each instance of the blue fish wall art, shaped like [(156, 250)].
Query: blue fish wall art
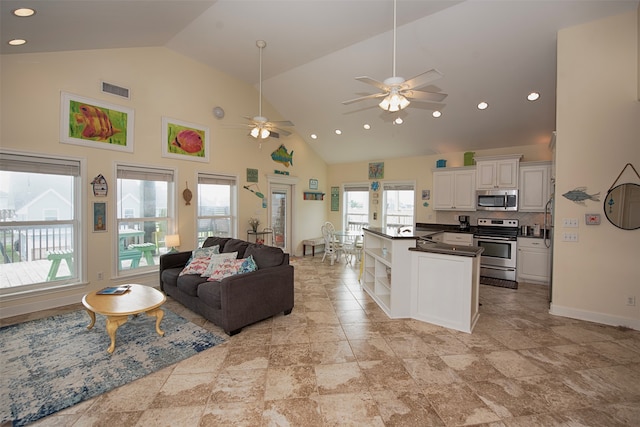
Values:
[(579, 195)]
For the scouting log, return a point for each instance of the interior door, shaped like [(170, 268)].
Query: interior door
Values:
[(280, 217)]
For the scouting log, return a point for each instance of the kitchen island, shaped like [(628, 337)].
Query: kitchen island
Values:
[(412, 278), (386, 275), (445, 285)]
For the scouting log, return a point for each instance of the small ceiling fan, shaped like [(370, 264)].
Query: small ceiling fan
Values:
[(396, 91), (261, 127)]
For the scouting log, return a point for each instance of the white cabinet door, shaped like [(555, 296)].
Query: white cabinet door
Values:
[(492, 174), (465, 184), (454, 190), (533, 261), (486, 175), (534, 188), (443, 190)]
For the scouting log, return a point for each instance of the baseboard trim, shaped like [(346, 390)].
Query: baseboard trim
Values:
[(19, 304), (592, 316), (31, 307)]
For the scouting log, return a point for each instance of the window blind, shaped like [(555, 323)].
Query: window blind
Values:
[(36, 164), (397, 186), (356, 187), (213, 179), (145, 173)]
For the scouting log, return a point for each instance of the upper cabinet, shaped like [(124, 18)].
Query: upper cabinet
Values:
[(497, 172), (454, 189), (535, 183)]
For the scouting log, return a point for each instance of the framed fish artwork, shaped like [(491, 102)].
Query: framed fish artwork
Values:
[(184, 141), (96, 124)]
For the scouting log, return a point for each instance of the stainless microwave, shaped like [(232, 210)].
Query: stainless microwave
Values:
[(497, 200)]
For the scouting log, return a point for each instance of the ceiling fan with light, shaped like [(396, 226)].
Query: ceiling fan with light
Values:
[(261, 127), (396, 91)]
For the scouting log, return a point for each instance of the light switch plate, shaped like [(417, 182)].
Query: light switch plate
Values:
[(592, 219)]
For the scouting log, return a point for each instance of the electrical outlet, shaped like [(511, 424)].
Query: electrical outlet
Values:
[(631, 301), (569, 237), (100, 275), (570, 222)]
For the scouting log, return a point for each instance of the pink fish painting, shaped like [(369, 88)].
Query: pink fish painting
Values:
[(188, 140)]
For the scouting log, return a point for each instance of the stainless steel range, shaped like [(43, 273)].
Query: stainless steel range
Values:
[(499, 238)]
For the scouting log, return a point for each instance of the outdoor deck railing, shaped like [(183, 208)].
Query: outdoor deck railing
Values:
[(34, 242)]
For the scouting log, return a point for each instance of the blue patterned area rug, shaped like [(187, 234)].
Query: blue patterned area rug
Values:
[(53, 363)]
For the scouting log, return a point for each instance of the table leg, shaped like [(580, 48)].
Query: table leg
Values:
[(159, 314), (113, 322), (92, 315)]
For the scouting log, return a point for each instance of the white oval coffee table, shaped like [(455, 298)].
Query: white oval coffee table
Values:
[(117, 308)]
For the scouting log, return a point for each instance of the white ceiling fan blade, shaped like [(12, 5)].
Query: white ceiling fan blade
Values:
[(427, 96), (282, 123), (373, 82), (362, 98), (280, 131), (422, 79)]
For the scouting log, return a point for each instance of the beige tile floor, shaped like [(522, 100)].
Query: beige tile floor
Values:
[(338, 360)]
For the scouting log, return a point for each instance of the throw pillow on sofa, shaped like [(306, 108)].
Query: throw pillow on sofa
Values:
[(203, 253), (200, 260), (231, 267), (216, 260)]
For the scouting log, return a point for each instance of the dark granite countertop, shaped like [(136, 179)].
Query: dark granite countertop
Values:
[(394, 232), (443, 248)]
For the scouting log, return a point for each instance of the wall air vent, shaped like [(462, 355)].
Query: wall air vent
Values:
[(120, 91)]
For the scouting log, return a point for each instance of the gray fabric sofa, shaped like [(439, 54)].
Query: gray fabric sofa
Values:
[(235, 301)]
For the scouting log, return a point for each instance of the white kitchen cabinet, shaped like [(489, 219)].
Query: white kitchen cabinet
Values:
[(461, 239), (454, 189), (535, 186), (497, 172), (386, 274), (533, 261)]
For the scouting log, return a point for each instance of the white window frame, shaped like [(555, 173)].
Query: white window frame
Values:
[(136, 171), (392, 186), (40, 163), (223, 179), (355, 186)]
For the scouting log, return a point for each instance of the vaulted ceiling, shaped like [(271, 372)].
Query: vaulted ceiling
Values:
[(492, 51)]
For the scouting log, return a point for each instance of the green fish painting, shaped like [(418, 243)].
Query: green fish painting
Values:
[(282, 156)]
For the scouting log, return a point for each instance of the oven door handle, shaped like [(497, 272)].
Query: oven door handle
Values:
[(490, 238), (494, 267)]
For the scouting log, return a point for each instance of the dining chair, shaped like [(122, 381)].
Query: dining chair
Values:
[(331, 247)]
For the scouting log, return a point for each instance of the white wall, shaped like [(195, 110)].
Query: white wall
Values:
[(162, 83), (598, 123)]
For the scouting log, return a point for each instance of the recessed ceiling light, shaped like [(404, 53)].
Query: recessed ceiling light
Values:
[(533, 96), (17, 42), (367, 126), (24, 12), (314, 136), (482, 106), (338, 132), (436, 114), (398, 121)]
